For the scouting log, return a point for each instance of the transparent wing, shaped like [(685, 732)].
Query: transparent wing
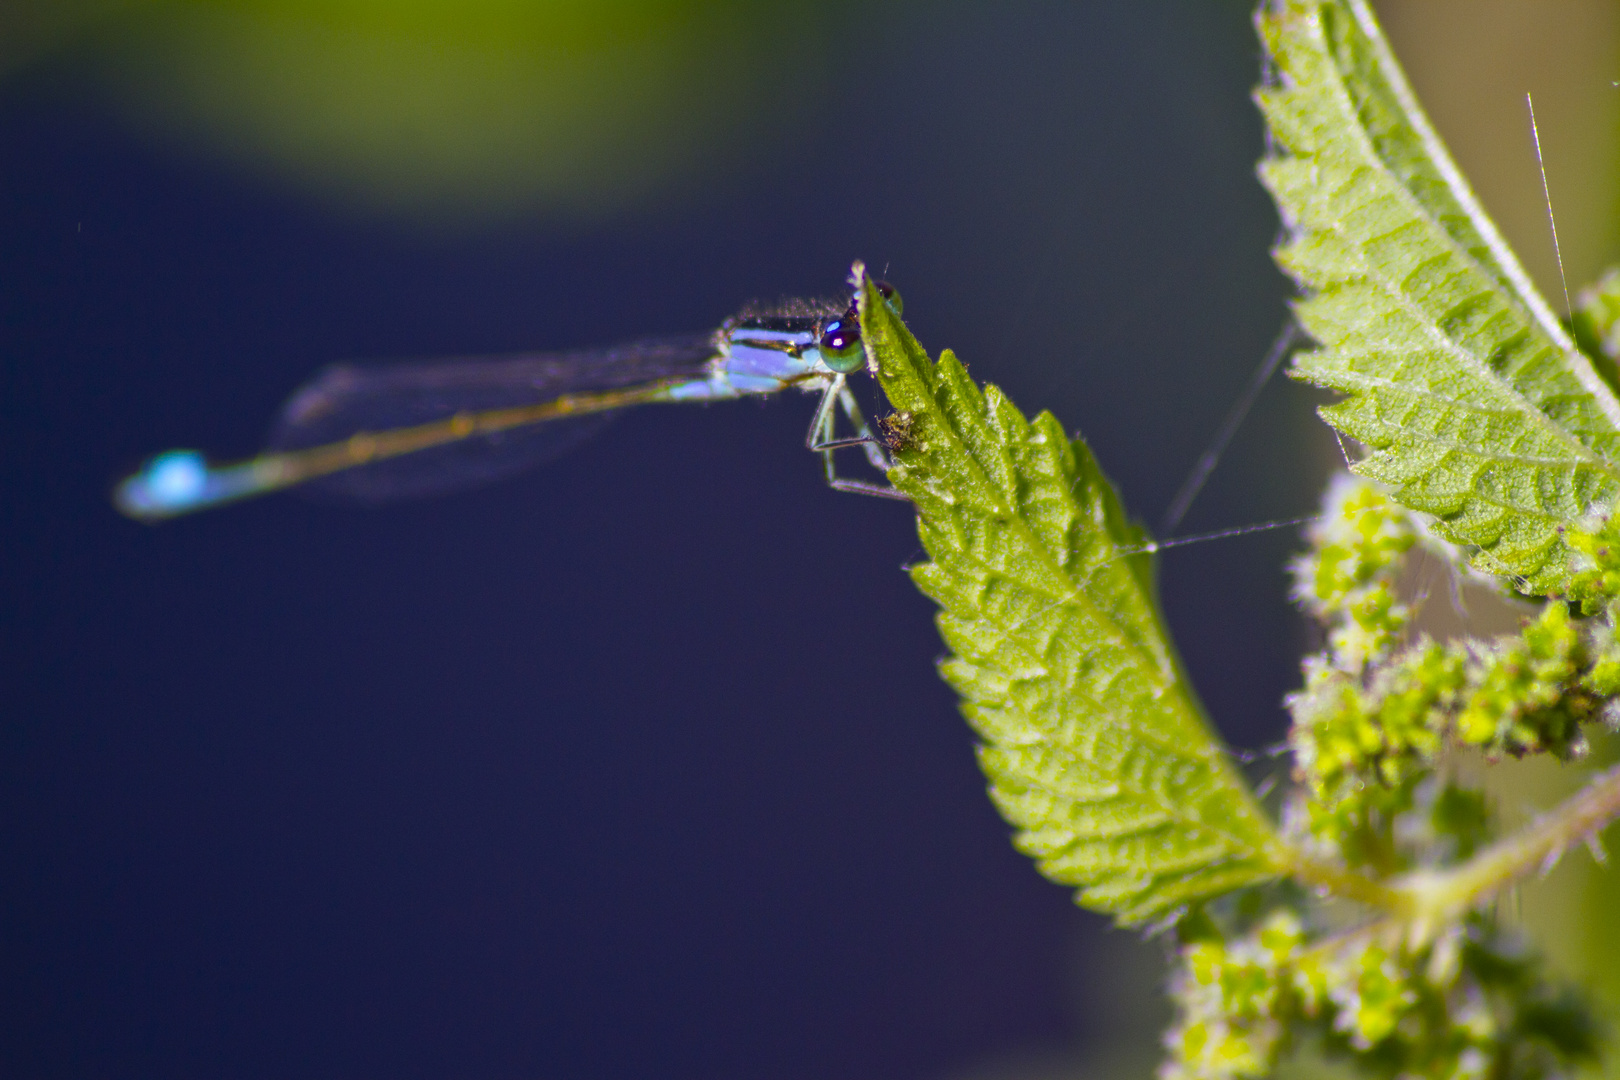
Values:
[(348, 400)]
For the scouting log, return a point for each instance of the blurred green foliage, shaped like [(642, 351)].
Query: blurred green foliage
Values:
[(452, 110)]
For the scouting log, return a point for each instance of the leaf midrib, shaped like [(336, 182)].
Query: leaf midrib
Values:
[(1372, 160), (1159, 740), (1374, 381), (1054, 570), (1457, 186)]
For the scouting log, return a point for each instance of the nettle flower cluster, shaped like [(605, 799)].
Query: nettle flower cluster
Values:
[(1379, 710), (1383, 719), (1472, 1003)]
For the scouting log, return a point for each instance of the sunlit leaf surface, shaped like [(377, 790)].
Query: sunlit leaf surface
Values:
[(1094, 745), (1478, 407)]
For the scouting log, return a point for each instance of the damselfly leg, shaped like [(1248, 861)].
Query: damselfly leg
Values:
[(824, 439)]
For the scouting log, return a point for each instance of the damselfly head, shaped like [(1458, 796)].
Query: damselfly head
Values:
[(840, 339), (831, 327)]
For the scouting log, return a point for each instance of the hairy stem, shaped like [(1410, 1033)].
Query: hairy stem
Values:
[(1438, 896), (1344, 883), (1431, 898)]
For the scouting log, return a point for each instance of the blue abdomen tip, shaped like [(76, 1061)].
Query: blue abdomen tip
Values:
[(171, 482)]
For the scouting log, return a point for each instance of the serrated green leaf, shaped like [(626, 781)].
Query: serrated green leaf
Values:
[(1094, 745), (1478, 407)]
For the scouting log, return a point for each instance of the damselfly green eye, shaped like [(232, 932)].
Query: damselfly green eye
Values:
[(840, 344), (892, 295)]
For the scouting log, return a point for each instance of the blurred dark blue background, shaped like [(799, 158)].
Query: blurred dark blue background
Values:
[(637, 765)]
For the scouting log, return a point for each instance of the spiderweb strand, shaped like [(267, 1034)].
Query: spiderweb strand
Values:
[(1154, 546), (1546, 192), (1234, 419)]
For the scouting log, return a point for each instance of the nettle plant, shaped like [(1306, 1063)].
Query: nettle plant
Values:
[(1363, 924)]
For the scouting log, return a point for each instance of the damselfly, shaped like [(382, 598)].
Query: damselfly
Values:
[(377, 433)]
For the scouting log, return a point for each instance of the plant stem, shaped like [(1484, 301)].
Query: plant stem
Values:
[(1437, 896), (1344, 882)]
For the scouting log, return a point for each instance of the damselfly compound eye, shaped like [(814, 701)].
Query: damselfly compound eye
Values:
[(891, 295), (840, 344)]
